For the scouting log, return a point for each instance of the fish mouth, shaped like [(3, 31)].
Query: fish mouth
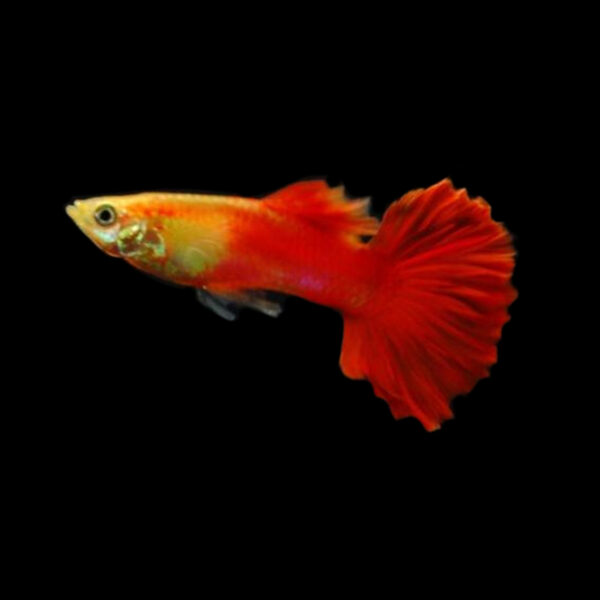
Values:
[(73, 210)]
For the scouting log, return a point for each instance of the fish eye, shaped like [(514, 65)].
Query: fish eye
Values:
[(105, 215)]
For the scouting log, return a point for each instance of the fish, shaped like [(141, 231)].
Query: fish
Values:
[(424, 292)]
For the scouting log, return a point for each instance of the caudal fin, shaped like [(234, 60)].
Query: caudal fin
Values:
[(431, 329)]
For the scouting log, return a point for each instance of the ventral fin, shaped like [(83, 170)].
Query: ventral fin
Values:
[(218, 305), (228, 305), (325, 207)]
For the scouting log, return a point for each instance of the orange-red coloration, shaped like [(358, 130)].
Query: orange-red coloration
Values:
[(423, 302), (430, 333)]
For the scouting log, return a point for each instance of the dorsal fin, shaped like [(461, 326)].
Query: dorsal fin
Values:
[(325, 207)]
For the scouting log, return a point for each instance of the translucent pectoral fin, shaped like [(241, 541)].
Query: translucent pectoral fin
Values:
[(228, 305)]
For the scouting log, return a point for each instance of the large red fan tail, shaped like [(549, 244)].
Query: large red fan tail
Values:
[(431, 329)]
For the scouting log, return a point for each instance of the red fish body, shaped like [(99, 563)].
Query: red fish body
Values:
[(273, 251), (423, 301)]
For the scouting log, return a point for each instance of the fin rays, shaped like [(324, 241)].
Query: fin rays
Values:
[(326, 208)]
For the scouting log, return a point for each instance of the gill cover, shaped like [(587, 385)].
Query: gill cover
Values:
[(137, 241)]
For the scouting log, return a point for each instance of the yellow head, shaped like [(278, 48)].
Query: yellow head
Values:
[(174, 237)]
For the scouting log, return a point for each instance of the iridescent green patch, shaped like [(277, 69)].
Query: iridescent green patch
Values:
[(130, 238), (136, 241), (155, 244)]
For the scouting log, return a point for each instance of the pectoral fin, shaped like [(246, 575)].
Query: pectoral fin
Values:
[(228, 305)]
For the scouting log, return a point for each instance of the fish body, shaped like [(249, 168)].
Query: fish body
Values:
[(423, 301)]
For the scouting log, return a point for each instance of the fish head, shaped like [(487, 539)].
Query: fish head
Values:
[(149, 233), (121, 226)]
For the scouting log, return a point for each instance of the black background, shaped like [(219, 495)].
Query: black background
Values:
[(144, 404), (145, 438)]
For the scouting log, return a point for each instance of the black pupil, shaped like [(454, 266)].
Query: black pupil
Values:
[(105, 216)]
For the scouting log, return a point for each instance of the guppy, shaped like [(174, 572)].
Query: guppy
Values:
[(423, 294)]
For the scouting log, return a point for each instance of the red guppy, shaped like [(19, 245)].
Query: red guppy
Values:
[(423, 300)]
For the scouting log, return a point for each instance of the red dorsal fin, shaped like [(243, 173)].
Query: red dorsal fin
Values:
[(325, 207)]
